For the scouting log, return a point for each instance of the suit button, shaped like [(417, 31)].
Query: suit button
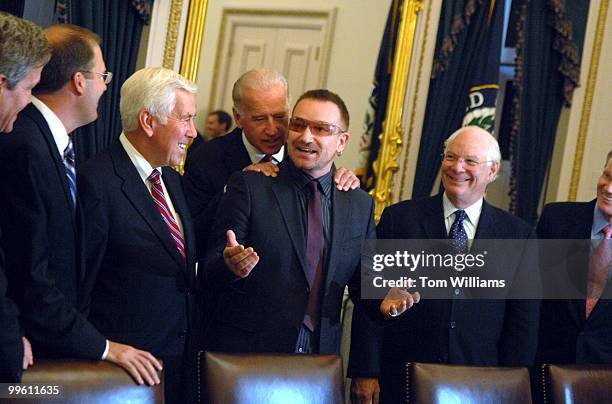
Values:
[(307, 290), (183, 333), (453, 324)]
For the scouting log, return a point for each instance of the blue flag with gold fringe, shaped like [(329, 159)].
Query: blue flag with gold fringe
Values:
[(484, 87), (377, 103)]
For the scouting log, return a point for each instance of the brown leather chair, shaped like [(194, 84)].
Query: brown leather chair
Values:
[(577, 384), (88, 382), (432, 383), (270, 378)]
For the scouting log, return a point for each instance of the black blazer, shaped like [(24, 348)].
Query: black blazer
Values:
[(566, 336), (44, 252), (207, 170), (474, 332), (142, 283), (11, 347), (144, 289), (264, 311)]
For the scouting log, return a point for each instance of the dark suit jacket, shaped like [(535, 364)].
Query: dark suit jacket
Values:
[(264, 311), (207, 170), (143, 293), (475, 332), (11, 347), (44, 253), (566, 336)]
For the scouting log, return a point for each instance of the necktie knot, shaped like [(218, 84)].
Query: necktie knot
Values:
[(460, 216), (69, 153), (154, 178), (70, 167), (607, 231)]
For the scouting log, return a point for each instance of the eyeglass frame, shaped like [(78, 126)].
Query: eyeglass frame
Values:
[(470, 162), (106, 76), (308, 122)]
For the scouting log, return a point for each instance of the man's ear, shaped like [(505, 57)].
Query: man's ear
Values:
[(3, 83), (495, 166), (237, 117), (78, 83), (146, 122), (342, 141)]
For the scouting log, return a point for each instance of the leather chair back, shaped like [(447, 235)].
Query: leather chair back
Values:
[(89, 382), (577, 383), (433, 383), (270, 378)]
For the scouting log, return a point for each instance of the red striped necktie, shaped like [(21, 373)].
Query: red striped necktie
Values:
[(160, 201)]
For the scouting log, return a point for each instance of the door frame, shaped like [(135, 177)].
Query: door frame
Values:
[(234, 17)]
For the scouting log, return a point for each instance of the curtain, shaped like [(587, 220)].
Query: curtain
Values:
[(550, 38), (466, 34), (119, 24), (377, 102), (14, 7)]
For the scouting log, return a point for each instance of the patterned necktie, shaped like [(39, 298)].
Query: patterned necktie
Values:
[(599, 266), (70, 167), (160, 201), (314, 256), (457, 234)]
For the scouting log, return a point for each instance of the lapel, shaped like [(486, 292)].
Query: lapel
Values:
[(289, 206), (236, 155), (137, 193), (487, 223), (579, 225), (38, 118), (340, 221), (433, 220)]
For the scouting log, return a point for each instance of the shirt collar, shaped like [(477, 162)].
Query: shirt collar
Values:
[(255, 155), (302, 179), (599, 222), (472, 211), (142, 165), (57, 128)]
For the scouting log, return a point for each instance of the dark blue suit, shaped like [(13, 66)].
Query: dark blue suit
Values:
[(264, 311), (475, 332), (42, 243), (144, 290), (566, 335), (11, 347), (207, 170)]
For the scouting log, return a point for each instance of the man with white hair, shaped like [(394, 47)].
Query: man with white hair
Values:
[(24, 50), (457, 331), (139, 234)]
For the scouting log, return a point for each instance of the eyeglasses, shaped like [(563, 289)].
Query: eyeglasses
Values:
[(469, 161), (185, 120), (106, 76), (317, 128)]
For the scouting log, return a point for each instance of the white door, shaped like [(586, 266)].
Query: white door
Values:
[(295, 43)]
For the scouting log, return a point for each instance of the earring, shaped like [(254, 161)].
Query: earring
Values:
[(339, 153)]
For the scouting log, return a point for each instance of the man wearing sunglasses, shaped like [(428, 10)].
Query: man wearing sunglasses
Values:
[(261, 110), (283, 248), (41, 212)]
